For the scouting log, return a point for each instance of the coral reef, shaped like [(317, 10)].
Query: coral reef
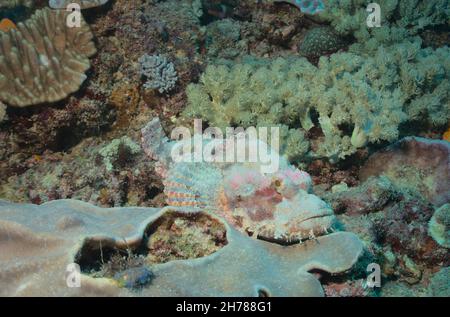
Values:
[(262, 267), (439, 226), (338, 90), (43, 60), (416, 164), (160, 73), (278, 205)]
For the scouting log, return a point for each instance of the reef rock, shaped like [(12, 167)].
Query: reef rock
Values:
[(417, 164), (404, 226), (40, 244), (372, 196)]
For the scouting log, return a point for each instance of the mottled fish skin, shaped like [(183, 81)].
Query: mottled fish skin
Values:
[(307, 6)]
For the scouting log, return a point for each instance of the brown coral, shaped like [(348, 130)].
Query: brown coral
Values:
[(44, 60)]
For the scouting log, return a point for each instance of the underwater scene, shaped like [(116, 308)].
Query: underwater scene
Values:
[(225, 148)]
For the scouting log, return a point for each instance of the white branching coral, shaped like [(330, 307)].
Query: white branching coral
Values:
[(43, 60), (160, 73)]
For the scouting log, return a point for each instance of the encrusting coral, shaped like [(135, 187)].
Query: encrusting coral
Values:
[(43, 60), (370, 96), (39, 253)]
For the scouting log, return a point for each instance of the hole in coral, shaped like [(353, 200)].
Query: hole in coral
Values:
[(176, 236), (97, 252), (173, 236), (152, 192)]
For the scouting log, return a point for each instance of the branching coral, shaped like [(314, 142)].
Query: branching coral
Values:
[(358, 100), (400, 20), (43, 60), (256, 93), (160, 73)]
